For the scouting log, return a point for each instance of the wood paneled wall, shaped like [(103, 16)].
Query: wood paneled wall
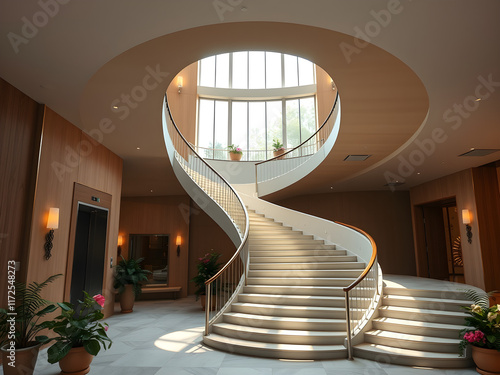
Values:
[(459, 186), (20, 133), (384, 215), (325, 95), (68, 156), (160, 215)]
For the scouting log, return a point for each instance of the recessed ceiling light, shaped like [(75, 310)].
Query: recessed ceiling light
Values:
[(115, 107), (356, 157), (151, 190), (138, 148), (480, 152), (478, 99)]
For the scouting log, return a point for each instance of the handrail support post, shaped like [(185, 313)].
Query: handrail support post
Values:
[(348, 323)]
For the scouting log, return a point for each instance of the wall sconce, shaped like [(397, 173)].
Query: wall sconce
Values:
[(52, 223), (179, 84), (467, 219), (120, 243), (178, 242)]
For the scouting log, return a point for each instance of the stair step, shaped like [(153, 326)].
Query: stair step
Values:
[(275, 247), (294, 290), (273, 350), (425, 303), (289, 310), (295, 300), (284, 322), (305, 281), (412, 342), (280, 336), (269, 229), (426, 293), (399, 356), (305, 273), (418, 327), (285, 235), (307, 266), (297, 253), (425, 315), (285, 241), (303, 259)]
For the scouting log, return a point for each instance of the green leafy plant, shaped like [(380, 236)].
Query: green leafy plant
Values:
[(207, 268), (30, 307), (78, 327), (234, 149), (484, 320), (130, 272), (277, 145)]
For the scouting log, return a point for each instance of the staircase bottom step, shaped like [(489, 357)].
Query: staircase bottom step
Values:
[(406, 357), (272, 350)]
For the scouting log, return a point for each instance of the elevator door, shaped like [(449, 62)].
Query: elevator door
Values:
[(89, 251)]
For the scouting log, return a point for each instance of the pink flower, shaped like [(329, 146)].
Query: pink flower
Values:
[(238, 149), (106, 328), (475, 337), (99, 299)]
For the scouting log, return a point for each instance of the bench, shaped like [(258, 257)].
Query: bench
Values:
[(163, 289)]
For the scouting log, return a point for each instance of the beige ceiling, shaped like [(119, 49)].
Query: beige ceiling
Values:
[(396, 92)]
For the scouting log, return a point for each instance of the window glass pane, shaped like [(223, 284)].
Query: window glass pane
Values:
[(274, 123), (221, 129), (206, 126), (273, 70), (257, 70), (306, 72), (240, 70), (291, 78), (257, 127), (292, 123), (239, 125), (207, 72), (307, 118), (222, 71)]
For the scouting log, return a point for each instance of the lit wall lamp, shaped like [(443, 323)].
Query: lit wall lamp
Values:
[(120, 243), (52, 223), (178, 242), (179, 84), (467, 219)]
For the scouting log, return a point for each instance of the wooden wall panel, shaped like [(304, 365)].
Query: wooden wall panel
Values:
[(384, 215), (160, 215), (20, 133), (459, 186), (325, 95)]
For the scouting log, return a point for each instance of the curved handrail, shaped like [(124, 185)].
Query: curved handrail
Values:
[(308, 139), (362, 278), (233, 274)]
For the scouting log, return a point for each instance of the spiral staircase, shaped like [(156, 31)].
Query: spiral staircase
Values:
[(301, 287)]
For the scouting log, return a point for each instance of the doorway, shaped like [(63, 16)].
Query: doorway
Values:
[(439, 248)]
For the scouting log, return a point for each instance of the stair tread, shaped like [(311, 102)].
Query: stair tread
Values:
[(285, 307), (382, 349), (274, 346), (424, 311), (426, 299), (410, 337), (297, 287), (283, 318), (298, 296), (419, 323), (284, 332)]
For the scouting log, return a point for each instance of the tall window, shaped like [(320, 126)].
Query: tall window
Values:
[(229, 111)]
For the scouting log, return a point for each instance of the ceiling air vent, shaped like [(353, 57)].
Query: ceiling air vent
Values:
[(356, 157), (480, 152)]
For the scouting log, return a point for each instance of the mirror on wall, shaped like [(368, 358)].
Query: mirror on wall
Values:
[(154, 249)]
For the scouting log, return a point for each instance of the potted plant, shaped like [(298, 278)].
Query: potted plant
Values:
[(129, 276), (484, 334), (18, 332), (80, 334), (207, 268), (235, 153), (278, 148)]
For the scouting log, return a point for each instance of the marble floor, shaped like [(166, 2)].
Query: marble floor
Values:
[(164, 337)]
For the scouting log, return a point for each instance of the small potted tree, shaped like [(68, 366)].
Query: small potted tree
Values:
[(129, 276), (18, 332), (235, 152), (278, 148), (207, 266)]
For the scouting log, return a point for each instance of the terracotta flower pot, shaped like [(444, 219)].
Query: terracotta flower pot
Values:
[(127, 299), (24, 360), (203, 300), (486, 360), (76, 362), (235, 157), (278, 153)]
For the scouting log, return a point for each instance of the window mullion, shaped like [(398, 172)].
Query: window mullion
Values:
[(230, 122), (230, 70), (248, 128), (283, 122), (213, 132)]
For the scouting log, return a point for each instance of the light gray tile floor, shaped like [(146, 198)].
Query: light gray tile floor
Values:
[(164, 338)]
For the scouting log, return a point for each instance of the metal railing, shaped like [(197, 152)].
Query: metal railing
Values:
[(361, 295), (223, 154), (293, 158), (222, 288)]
